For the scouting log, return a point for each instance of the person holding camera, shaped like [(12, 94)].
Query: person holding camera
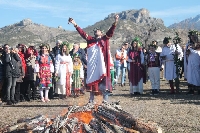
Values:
[(11, 72), (121, 64)]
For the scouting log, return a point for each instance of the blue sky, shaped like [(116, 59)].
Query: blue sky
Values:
[(55, 13)]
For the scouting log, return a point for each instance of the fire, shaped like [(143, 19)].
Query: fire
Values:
[(84, 117)]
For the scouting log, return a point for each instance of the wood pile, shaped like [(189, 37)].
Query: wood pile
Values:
[(90, 118)]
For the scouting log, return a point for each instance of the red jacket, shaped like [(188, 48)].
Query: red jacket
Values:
[(21, 55)]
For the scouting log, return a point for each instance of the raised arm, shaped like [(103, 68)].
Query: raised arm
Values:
[(83, 34), (110, 32)]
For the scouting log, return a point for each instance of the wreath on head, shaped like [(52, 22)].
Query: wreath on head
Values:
[(193, 33), (137, 39), (67, 44), (44, 45), (166, 40)]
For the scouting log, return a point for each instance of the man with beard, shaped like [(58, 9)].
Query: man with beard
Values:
[(98, 65)]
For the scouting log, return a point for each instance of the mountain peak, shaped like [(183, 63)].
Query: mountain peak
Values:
[(25, 22), (189, 23)]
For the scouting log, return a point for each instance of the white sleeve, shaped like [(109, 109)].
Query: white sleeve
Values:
[(36, 68), (81, 72), (180, 51), (51, 68)]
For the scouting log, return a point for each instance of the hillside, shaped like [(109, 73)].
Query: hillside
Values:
[(188, 24), (132, 23)]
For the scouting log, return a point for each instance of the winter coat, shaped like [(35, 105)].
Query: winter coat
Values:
[(11, 68)]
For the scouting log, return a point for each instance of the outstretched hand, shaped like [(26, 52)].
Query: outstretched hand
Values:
[(71, 20), (116, 18)]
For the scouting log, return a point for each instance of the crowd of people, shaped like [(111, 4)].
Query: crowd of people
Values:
[(25, 70)]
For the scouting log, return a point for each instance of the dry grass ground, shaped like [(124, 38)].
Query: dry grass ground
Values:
[(179, 113)]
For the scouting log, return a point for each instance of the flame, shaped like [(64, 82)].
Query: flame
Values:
[(84, 117)]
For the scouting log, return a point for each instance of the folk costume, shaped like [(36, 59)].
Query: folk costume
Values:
[(153, 64), (64, 69), (167, 56), (77, 76), (136, 59), (45, 68), (98, 65)]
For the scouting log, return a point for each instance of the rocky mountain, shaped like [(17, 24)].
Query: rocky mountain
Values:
[(132, 23), (192, 23)]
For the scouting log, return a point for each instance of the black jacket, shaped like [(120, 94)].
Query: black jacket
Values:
[(82, 55), (11, 68)]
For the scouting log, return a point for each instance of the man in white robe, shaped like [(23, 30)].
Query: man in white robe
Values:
[(167, 56)]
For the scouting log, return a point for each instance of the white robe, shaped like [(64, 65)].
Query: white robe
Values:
[(193, 68), (170, 68), (95, 66), (61, 68)]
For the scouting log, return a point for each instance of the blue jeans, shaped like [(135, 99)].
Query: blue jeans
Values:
[(119, 70), (102, 89)]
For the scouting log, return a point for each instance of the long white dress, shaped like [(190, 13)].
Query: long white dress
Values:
[(63, 63), (170, 68), (193, 68)]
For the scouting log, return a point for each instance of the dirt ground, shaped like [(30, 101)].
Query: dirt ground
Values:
[(178, 113)]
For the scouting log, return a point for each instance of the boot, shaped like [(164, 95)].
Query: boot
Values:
[(9, 102), (191, 90), (152, 92)]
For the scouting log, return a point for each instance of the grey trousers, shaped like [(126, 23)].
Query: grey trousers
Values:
[(10, 89)]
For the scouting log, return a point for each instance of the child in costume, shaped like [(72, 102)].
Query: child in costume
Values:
[(77, 76)]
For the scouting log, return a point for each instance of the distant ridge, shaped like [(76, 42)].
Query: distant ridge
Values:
[(192, 23)]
